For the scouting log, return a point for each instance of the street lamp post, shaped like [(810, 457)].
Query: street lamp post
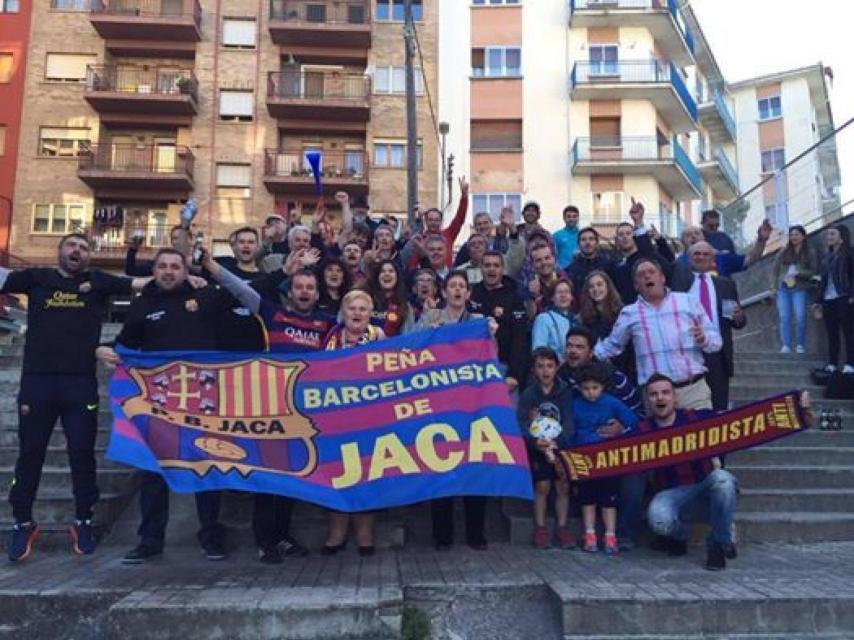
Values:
[(444, 128)]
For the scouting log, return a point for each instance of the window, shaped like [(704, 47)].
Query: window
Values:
[(6, 60), (236, 105), (496, 61), (393, 80), (493, 3), (9, 6), (778, 214), (58, 218), (392, 154), (773, 160), (2, 140), (495, 135), (770, 108), (71, 5), (608, 206), (238, 33), (63, 142), (493, 203), (233, 180), (68, 67), (392, 10), (603, 60)]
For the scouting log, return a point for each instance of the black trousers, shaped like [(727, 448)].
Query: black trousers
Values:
[(154, 505), (717, 378), (443, 519), (42, 400), (271, 519), (839, 317)]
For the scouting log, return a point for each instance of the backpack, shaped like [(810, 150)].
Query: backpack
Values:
[(839, 387)]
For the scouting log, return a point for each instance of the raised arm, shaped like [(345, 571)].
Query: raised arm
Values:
[(240, 289), (459, 219)]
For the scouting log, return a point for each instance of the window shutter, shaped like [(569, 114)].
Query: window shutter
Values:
[(496, 134), (64, 133), (238, 33), (68, 66), (6, 67), (235, 103), (233, 175)]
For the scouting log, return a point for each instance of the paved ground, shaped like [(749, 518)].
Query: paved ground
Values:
[(449, 586)]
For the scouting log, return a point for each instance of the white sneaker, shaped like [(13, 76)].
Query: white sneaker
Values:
[(847, 369), (800, 349), (831, 368), (786, 350)]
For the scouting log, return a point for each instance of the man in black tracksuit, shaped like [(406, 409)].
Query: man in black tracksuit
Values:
[(170, 315), (497, 296), (64, 314)]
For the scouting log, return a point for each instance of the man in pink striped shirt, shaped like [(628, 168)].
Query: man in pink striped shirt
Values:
[(669, 332)]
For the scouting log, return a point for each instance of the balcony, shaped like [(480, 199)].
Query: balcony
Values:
[(662, 18), (148, 28), (111, 240), (720, 175), (127, 96), (322, 30), (667, 162), (715, 116), (161, 172), (288, 172), (653, 80), (330, 101)]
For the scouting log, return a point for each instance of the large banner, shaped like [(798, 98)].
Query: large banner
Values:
[(393, 422), (740, 428)]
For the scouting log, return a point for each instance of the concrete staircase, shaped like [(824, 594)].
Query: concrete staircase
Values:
[(799, 489), (54, 506)]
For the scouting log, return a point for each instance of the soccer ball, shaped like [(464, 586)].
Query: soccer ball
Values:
[(545, 428)]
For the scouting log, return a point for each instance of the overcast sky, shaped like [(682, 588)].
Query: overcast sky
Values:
[(755, 37)]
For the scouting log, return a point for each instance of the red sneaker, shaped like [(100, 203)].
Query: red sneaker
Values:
[(611, 546), (590, 544), (542, 539), (565, 538)]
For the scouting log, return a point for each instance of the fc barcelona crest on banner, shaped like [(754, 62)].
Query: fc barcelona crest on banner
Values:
[(238, 415)]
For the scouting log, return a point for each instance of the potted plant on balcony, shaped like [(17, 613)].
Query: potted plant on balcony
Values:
[(183, 83)]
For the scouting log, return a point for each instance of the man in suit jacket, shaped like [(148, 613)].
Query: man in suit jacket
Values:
[(719, 297)]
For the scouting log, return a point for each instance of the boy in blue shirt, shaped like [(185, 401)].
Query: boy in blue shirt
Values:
[(592, 411)]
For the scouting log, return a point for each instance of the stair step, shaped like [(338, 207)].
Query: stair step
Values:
[(9, 437), (794, 527), (112, 480), (784, 456), (739, 397), (54, 508), (56, 456), (807, 359), (817, 438), (802, 476), (794, 499)]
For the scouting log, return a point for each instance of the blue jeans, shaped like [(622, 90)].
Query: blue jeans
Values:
[(630, 511), (711, 500), (788, 299)]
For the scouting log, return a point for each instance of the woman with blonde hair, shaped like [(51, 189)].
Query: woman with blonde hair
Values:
[(354, 328)]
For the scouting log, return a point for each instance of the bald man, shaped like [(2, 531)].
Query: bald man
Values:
[(726, 264), (718, 296)]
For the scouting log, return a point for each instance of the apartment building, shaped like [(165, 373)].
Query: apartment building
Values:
[(14, 35), (584, 102), (133, 106), (780, 116)]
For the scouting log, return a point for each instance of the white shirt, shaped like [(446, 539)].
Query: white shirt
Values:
[(713, 295)]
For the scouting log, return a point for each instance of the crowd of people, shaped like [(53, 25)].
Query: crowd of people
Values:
[(607, 342)]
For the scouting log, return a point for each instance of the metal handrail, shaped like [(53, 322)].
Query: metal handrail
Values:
[(142, 80), (137, 157), (319, 12), (149, 9), (292, 163), (317, 85)]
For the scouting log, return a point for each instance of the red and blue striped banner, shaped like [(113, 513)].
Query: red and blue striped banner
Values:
[(394, 422)]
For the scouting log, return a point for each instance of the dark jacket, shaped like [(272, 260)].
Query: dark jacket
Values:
[(581, 267), (177, 320), (560, 400), (725, 289), (840, 267), (659, 250), (505, 305)]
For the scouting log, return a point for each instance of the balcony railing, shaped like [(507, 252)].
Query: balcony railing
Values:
[(671, 222), (334, 165), (150, 8), (725, 114), (635, 149), (310, 85), (330, 12), (728, 170), (142, 80), (114, 240), (633, 72), (611, 5), (138, 158)]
